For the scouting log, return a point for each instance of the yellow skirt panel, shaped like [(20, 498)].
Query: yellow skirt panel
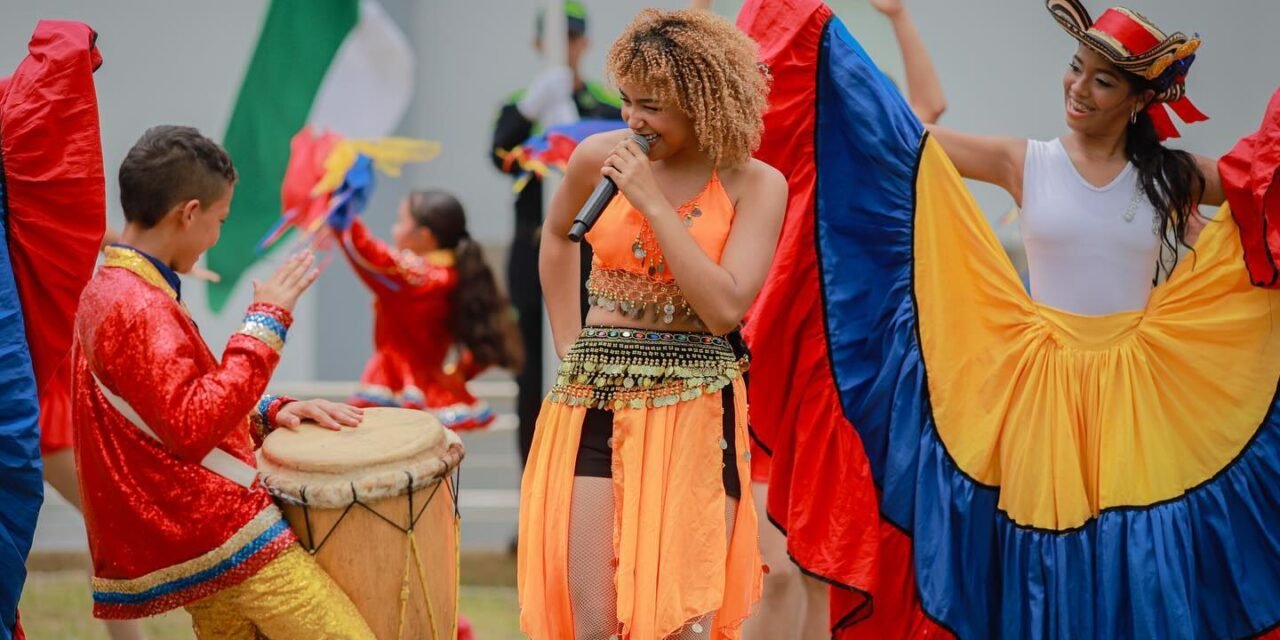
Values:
[(1072, 414)]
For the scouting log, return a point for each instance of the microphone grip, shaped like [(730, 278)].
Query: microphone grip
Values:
[(591, 210), (578, 230)]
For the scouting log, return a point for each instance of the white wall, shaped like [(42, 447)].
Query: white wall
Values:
[(1000, 61)]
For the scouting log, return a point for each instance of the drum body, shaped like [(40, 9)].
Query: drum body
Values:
[(377, 507)]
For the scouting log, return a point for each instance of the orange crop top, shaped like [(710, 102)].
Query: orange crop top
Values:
[(629, 273)]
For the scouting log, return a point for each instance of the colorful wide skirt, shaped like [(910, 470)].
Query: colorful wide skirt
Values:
[(389, 380), (959, 460)]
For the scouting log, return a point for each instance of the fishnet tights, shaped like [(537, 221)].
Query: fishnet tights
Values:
[(591, 570)]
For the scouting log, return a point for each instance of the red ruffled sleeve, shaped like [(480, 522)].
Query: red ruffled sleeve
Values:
[(1251, 180)]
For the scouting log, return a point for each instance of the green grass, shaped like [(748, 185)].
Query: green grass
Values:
[(56, 604)]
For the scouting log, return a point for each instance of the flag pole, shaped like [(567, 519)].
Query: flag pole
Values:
[(554, 49)]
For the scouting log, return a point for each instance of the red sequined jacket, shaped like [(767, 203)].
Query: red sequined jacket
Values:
[(163, 529)]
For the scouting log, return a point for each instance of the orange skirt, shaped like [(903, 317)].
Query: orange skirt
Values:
[(675, 560)]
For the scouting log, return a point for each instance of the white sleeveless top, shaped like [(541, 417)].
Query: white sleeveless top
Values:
[(1090, 250)]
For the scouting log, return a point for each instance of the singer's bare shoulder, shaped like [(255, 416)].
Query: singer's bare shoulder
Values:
[(753, 181), (593, 150)]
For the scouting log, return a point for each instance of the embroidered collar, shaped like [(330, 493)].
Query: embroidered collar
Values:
[(151, 270)]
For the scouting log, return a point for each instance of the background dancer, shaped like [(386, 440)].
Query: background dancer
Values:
[(434, 299), (558, 95)]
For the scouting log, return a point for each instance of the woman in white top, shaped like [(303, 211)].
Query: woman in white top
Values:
[(1107, 205), (1098, 459)]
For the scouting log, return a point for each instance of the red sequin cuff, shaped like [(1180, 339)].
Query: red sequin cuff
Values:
[(264, 416), (280, 313)]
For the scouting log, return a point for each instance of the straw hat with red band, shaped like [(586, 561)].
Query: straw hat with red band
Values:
[(1131, 42)]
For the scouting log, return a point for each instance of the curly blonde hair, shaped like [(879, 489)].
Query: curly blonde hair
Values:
[(707, 66)]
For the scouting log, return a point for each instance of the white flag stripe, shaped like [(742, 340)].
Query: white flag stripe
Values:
[(369, 84)]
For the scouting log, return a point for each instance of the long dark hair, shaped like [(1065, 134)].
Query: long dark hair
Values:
[(1170, 178), (481, 321)]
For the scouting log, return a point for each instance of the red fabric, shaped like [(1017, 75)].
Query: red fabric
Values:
[(54, 183), (559, 148), (148, 506), (1165, 128), (55, 411), (302, 208), (56, 194), (276, 405), (1132, 34), (1186, 110), (465, 632), (274, 310), (795, 407), (412, 312), (1250, 178), (790, 110), (795, 410), (307, 155)]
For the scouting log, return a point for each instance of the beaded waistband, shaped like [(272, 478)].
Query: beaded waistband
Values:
[(618, 368), (638, 296)]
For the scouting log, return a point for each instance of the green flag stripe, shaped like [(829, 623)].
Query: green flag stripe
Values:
[(297, 45)]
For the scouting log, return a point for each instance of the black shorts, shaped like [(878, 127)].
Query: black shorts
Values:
[(595, 456)]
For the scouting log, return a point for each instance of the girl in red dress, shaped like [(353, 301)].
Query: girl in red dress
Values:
[(439, 319)]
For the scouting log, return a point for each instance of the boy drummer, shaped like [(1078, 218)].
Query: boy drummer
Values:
[(165, 431)]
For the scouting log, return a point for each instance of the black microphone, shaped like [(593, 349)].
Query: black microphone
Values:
[(599, 199)]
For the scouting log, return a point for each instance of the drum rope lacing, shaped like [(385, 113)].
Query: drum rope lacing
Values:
[(412, 555)]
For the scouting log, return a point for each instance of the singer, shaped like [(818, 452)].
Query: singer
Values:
[(633, 521)]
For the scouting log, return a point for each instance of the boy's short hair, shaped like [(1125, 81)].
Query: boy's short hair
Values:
[(168, 165)]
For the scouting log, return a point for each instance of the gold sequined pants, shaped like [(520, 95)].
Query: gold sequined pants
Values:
[(290, 598)]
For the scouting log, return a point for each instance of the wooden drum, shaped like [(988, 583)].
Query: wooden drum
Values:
[(377, 508)]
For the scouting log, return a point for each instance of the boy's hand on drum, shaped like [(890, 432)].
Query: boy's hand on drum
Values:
[(288, 282), (330, 415)]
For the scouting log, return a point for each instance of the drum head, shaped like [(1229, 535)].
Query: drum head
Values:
[(392, 452), (385, 435)]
